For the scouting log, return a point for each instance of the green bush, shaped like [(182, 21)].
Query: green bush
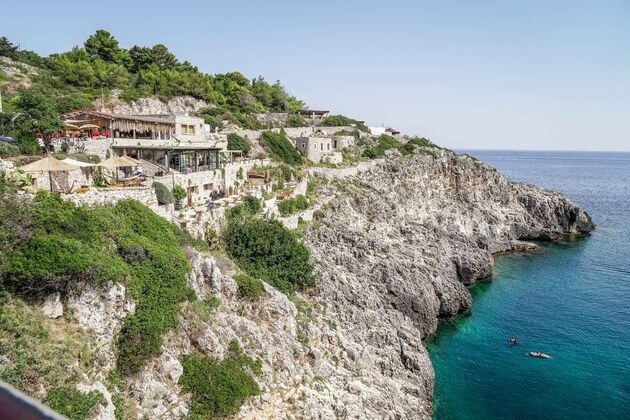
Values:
[(219, 388), (384, 142), (162, 193), (179, 193), (296, 120), (280, 148), (343, 121), (8, 150), (253, 205), (265, 249), (236, 142), (73, 404), (250, 207), (413, 143), (290, 206), (249, 287)]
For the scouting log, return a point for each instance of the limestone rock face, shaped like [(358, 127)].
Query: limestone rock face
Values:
[(101, 310), (155, 106), (395, 249)]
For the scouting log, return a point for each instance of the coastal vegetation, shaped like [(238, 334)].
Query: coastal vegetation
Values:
[(267, 250), (219, 388), (293, 205), (249, 287), (343, 121), (280, 148), (236, 142), (73, 404), (49, 245), (162, 193), (43, 353)]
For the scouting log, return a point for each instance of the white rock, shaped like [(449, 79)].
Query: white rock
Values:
[(52, 306)]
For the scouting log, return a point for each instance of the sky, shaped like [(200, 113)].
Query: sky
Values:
[(537, 75)]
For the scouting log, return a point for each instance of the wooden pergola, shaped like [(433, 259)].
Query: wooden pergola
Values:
[(124, 126)]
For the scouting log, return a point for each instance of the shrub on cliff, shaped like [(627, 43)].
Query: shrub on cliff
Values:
[(219, 388), (249, 287), (73, 404), (162, 193), (280, 148), (343, 121), (290, 206), (384, 142), (265, 249), (295, 120), (236, 142)]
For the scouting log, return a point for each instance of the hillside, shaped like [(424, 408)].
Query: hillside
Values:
[(40, 88)]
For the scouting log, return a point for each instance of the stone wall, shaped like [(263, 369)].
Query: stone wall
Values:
[(98, 146), (103, 196), (272, 118)]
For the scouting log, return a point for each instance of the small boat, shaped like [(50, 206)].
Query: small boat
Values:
[(538, 354)]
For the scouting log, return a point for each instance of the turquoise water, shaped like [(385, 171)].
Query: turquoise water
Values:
[(572, 301)]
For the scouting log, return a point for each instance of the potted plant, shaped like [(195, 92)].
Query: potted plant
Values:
[(179, 193)]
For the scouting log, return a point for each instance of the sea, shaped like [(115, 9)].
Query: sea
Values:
[(571, 301)]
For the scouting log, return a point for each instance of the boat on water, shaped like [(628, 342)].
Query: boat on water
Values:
[(538, 354)]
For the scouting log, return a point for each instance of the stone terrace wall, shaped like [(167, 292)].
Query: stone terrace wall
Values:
[(98, 196), (97, 147)]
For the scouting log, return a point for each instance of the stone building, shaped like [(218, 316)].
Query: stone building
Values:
[(323, 148)]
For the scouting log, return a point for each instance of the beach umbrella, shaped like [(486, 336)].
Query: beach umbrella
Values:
[(70, 125), (88, 126)]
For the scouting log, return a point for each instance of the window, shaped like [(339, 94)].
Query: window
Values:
[(327, 146), (207, 187), (188, 129), (321, 146)]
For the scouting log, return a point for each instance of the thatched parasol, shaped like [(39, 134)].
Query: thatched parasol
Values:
[(117, 162), (88, 126), (49, 164)]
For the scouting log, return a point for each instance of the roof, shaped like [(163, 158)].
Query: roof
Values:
[(48, 164), (166, 147), (145, 118), (312, 111)]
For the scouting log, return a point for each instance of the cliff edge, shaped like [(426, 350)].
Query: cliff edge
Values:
[(396, 248)]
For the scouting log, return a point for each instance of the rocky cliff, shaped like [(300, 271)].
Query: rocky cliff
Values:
[(394, 247)]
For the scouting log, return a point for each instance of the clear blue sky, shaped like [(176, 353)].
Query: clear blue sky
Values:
[(468, 74)]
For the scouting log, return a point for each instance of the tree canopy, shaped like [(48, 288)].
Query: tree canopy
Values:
[(74, 79)]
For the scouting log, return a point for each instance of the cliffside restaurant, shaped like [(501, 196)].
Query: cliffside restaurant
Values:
[(171, 142), (119, 125)]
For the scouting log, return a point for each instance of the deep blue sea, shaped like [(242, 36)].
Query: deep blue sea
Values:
[(571, 301)]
